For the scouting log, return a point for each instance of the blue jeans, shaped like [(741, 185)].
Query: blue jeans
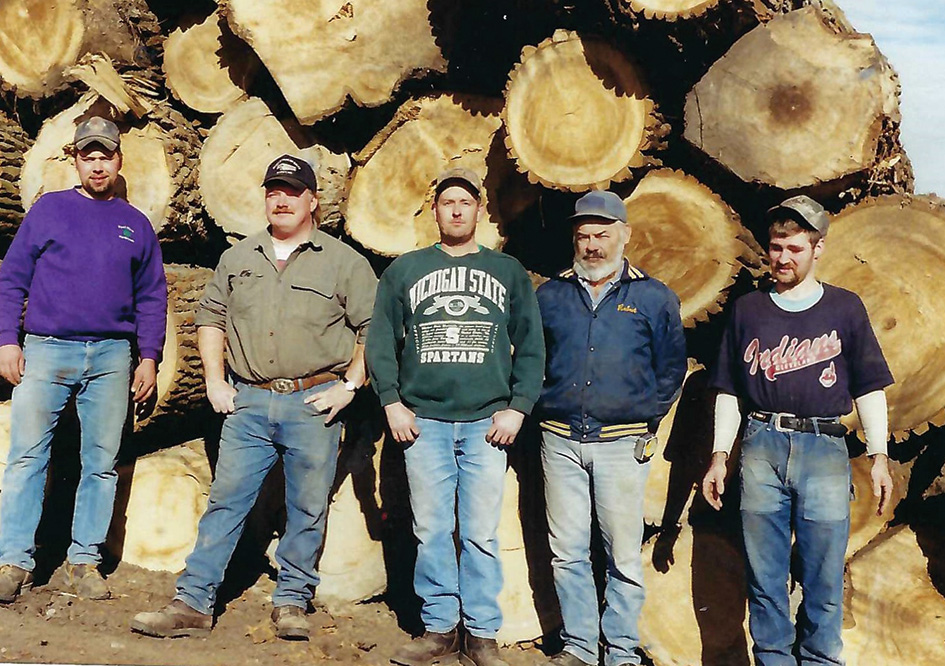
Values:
[(99, 375), (264, 426), (799, 481), (607, 476), (452, 469)]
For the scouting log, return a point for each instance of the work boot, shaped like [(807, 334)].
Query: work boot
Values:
[(565, 659), (290, 623), (175, 619), (13, 582), (481, 652), (431, 648), (86, 581)]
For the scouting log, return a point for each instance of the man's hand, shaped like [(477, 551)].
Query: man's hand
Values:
[(882, 481), (331, 400), (221, 394), (713, 485), (12, 363), (144, 380), (403, 422), (505, 426)]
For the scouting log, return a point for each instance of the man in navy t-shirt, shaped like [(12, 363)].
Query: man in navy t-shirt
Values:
[(797, 357)]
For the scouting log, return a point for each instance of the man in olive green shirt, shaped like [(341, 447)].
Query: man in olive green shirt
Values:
[(290, 307)]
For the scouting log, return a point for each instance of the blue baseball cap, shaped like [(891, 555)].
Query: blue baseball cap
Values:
[(600, 203)]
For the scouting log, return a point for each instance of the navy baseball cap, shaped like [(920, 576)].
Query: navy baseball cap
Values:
[(602, 204), (292, 170)]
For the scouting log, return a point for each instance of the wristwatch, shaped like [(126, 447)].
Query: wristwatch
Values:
[(350, 386)]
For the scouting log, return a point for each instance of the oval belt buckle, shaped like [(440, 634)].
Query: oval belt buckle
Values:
[(283, 385)]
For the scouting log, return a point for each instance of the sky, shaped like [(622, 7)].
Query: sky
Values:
[(911, 34)]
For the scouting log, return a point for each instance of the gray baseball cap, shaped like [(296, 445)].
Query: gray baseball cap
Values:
[(602, 204), (97, 130), (804, 210), (459, 176)]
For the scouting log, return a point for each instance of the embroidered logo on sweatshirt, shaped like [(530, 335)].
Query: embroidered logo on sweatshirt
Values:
[(126, 233), (626, 308)]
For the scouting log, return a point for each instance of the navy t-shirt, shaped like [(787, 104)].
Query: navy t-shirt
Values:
[(808, 363)]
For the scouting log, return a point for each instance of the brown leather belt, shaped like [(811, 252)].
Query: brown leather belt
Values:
[(300, 384)]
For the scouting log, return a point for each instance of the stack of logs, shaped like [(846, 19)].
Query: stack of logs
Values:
[(701, 113)]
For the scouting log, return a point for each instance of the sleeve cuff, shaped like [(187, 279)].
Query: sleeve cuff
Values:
[(388, 397), (205, 317), (9, 338), (153, 354), (522, 404)]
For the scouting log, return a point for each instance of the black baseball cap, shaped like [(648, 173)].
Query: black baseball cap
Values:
[(292, 170)]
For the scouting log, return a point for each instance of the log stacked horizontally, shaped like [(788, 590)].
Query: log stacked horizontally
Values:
[(700, 114)]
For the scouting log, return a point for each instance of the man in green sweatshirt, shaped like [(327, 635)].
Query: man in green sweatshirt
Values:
[(456, 354)]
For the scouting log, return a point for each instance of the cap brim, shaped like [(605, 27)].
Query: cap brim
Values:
[(601, 216), (795, 215), (290, 180), (461, 182), (109, 144)]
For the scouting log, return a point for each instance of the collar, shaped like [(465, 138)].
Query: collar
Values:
[(261, 240), (628, 274)]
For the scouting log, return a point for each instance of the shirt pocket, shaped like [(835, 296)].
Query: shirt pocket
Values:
[(246, 292), (312, 301)]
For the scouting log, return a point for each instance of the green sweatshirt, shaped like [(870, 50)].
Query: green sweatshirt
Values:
[(456, 338)]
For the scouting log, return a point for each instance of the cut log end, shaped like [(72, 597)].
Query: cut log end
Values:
[(889, 251), (674, 218), (234, 158), (576, 114), (668, 10), (390, 194), (207, 67), (794, 103), (364, 50)]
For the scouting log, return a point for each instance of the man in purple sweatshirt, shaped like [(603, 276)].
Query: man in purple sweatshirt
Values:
[(90, 264)]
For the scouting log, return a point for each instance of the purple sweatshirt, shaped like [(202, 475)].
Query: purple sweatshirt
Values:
[(92, 270)]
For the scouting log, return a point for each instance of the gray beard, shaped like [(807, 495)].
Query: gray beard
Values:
[(595, 273)]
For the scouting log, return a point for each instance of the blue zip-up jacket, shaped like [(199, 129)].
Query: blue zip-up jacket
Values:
[(615, 370)]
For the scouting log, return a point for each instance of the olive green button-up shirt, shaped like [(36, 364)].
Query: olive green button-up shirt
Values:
[(298, 322)]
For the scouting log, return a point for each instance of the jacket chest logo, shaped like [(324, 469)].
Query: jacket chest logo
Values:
[(626, 308)]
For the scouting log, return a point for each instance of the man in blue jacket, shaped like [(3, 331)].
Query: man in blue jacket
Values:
[(616, 359), (90, 264)]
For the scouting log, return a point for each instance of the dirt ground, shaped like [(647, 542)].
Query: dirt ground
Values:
[(50, 625)]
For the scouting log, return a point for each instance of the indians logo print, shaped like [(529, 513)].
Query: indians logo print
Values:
[(792, 354)]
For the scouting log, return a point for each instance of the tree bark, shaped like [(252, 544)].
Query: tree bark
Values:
[(797, 101), (180, 385), (674, 218), (390, 192), (14, 143), (364, 48), (207, 67), (577, 114), (233, 163), (889, 251)]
